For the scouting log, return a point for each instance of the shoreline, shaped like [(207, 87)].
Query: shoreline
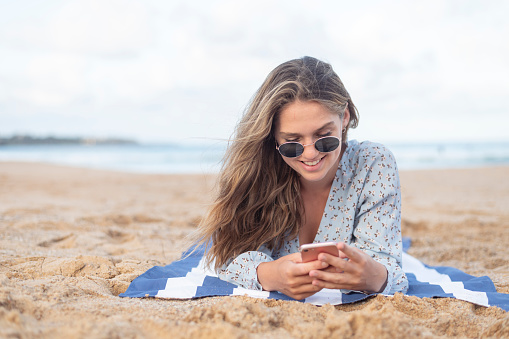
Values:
[(213, 173), (72, 239), (207, 157)]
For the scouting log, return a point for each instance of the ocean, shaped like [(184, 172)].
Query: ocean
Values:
[(179, 158)]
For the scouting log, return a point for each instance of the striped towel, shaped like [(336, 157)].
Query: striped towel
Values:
[(189, 278)]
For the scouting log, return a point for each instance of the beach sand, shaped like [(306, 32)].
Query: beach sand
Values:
[(72, 239)]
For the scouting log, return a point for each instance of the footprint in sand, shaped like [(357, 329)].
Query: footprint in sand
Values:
[(66, 241)]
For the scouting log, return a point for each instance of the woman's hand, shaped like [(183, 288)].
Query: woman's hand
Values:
[(359, 273), (289, 275)]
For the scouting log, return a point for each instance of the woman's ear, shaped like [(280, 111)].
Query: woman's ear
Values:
[(346, 117)]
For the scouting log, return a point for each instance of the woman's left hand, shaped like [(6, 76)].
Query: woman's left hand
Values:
[(359, 273)]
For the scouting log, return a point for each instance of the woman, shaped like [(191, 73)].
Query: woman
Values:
[(291, 177)]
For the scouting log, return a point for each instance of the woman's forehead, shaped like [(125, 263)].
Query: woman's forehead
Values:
[(299, 117)]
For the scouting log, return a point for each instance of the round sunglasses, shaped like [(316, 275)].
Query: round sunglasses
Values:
[(295, 149)]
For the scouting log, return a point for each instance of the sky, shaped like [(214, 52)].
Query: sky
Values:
[(163, 71)]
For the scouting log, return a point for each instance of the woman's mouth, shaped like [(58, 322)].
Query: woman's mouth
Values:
[(312, 163)]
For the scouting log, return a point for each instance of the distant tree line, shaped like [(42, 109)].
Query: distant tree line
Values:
[(30, 140)]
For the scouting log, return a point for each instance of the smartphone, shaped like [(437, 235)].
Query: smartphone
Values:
[(309, 252)]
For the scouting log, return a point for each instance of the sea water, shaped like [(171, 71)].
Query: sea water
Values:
[(180, 158)]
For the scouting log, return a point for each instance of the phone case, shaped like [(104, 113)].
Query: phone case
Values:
[(310, 252)]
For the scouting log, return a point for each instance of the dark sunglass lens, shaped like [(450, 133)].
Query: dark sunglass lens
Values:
[(327, 144), (291, 149)]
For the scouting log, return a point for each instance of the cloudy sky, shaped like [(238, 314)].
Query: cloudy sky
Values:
[(180, 70)]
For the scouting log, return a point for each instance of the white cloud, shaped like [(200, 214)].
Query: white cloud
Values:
[(110, 27), (160, 70)]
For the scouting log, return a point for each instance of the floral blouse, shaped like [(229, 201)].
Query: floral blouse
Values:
[(363, 210)]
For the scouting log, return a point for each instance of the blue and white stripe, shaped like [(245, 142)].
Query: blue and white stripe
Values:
[(189, 278)]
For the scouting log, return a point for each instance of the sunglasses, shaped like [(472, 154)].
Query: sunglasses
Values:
[(295, 149)]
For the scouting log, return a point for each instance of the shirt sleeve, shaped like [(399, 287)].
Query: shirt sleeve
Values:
[(241, 270), (378, 217)]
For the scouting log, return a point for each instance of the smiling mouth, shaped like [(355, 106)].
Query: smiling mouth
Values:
[(312, 163)]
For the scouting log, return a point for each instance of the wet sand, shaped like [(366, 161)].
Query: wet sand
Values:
[(72, 239)]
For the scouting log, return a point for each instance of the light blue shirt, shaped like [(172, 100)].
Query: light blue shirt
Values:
[(363, 210)]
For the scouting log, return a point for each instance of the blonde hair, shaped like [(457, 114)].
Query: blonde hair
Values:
[(258, 200)]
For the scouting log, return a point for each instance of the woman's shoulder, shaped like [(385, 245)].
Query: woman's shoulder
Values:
[(368, 161), (367, 150), (366, 156)]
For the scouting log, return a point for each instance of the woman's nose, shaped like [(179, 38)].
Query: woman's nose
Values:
[(310, 152)]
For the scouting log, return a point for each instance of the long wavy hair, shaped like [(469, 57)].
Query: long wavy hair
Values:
[(258, 200)]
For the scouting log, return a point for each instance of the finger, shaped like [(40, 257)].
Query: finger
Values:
[(302, 291), (332, 285), (342, 255), (304, 268), (300, 281), (299, 274), (339, 263), (332, 280), (351, 252), (306, 288), (332, 269), (303, 295)]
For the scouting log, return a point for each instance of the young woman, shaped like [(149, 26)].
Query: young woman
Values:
[(290, 177)]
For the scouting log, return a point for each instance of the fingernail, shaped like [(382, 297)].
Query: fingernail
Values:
[(324, 264)]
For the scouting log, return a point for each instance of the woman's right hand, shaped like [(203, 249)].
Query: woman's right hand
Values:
[(289, 275)]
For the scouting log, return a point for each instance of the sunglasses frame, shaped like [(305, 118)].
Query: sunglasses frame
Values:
[(303, 146)]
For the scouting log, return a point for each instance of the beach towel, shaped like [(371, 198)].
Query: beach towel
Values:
[(189, 278)]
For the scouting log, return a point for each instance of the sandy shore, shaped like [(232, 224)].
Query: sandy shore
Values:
[(72, 239)]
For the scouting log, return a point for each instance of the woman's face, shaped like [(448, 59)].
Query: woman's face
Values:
[(305, 122)]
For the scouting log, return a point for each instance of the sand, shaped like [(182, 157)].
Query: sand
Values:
[(72, 239)]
